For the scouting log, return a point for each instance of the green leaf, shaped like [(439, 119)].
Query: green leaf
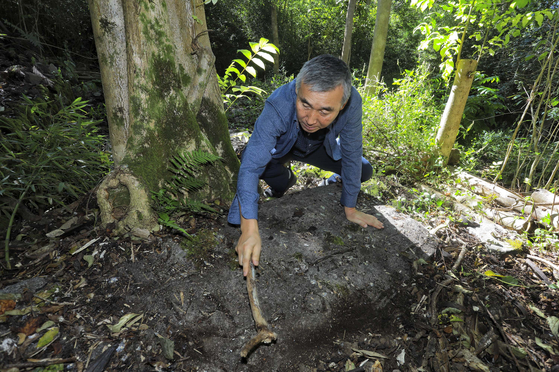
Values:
[(246, 53), (437, 43), (527, 18), (254, 46), (259, 63), (542, 56), (243, 78), (47, 324), (271, 48), (521, 3), (539, 18), (251, 70), (266, 56), (47, 337), (240, 62)]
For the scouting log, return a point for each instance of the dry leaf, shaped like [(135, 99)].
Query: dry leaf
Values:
[(30, 326), (6, 305)]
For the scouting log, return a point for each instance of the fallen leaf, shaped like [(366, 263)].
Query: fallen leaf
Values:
[(553, 322), (47, 324), (546, 347), (47, 337), (349, 365), (368, 353), (23, 311), (6, 305), (89, 259), (30, 326), (126, 320), (168, 347), (537, 311), (21, 338)]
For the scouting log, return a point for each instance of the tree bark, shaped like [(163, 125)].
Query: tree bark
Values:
[(346, 48), (379, 44), (275, 36), (450, 121), (162, 98)]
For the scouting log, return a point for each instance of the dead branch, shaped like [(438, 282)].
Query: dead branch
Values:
[(265, 335), (538, 271), (553, 266)]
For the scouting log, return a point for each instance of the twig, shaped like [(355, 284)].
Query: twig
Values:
[(553, 266), (265, 335), (41, 363)]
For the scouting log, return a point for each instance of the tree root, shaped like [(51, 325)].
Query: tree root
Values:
[(265, 335), (138, 213)]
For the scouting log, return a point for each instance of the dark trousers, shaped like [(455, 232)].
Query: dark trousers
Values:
[(276, 175)]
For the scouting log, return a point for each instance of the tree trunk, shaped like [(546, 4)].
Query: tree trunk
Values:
[(379, 43), (162, 98), (450, 121), (275, 36), (346, 48)]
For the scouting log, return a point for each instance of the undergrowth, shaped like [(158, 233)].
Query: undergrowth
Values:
[(50, 154), (400, 126)]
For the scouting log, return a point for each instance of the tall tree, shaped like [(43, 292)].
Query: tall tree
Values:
[(162, 99), (379, 44), (275, 35), (346, 48)]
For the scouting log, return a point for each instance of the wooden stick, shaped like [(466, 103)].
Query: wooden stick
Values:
[(265, 335)]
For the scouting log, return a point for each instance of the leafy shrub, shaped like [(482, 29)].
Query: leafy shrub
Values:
[(50, 154), (242, 113), (399, 128)]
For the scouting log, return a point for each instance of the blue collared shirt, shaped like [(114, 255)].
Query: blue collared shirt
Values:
[(275, 133)]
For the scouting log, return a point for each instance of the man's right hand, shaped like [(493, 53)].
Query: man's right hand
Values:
[(249, 244)]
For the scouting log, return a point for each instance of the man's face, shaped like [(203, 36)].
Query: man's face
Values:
[(317, 110)]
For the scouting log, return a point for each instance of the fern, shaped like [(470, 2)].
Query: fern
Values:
[(184, 168), (173, 201)]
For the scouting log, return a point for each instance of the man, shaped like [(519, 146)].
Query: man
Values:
[(314, 119)]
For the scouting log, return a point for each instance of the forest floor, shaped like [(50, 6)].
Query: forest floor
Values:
[(339, 297)]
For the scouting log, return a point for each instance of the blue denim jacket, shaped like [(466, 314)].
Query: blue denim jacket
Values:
[(275, 133)]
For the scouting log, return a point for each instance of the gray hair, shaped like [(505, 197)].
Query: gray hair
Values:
[(324, 73)]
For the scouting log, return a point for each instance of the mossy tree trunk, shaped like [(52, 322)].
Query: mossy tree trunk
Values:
[(379, 44), (162, 98), (452, 115)]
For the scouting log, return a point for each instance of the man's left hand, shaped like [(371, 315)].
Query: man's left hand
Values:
[(362, 219)]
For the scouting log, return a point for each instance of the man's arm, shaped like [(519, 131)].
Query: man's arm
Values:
[(362, 219), (249, 245)]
